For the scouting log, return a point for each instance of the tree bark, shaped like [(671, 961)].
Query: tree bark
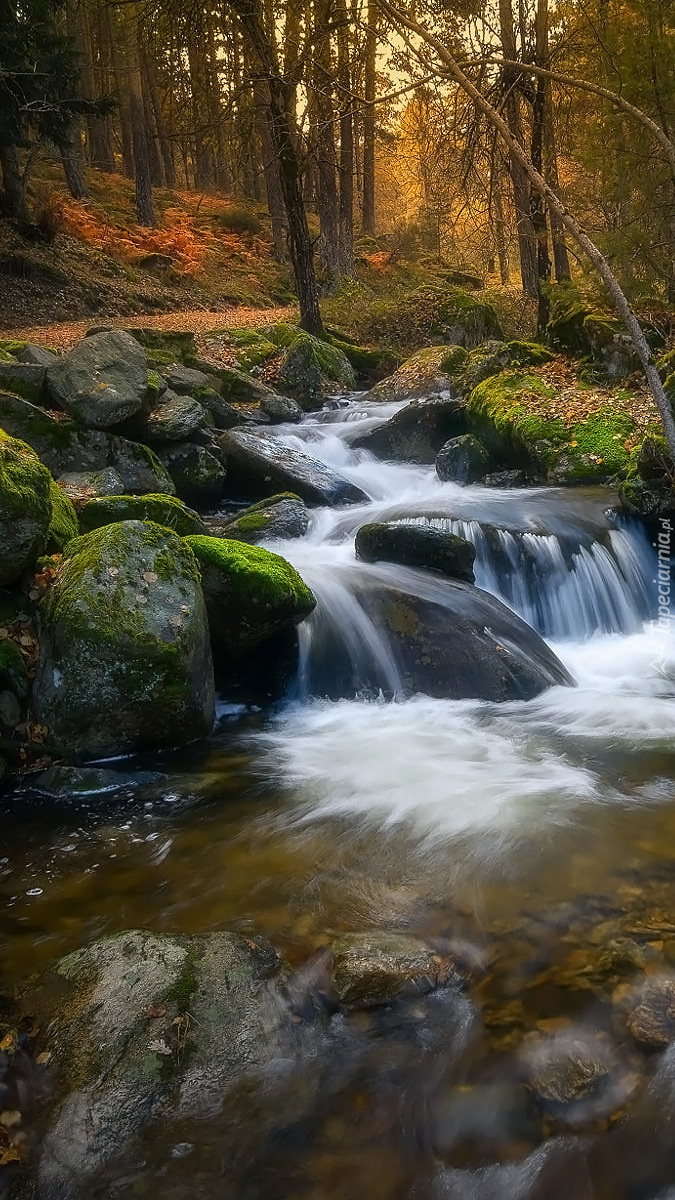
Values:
[(275, 199), (70, 150), (327, 193), (582, 239), (346, 167), (368, 211), (14, 188), (519, 180), (248, 12), (500, 234)]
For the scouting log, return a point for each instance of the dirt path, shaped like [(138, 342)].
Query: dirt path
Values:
[(199, 321)]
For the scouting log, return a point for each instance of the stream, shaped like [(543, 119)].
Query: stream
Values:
[(538, 836)]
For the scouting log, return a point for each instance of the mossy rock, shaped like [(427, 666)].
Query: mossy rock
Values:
[(416, 546), (493, 357), (174, 344), (309, 365), (25, 508), (431, 372), (281, 516), (13, 673), (504, 412), (434, 314), (565, 329), (167, 511), (24, 379), (250, 593), (125, 661), (252, 349), (199, 477), (12, 346), (63, 525), (462, 460)]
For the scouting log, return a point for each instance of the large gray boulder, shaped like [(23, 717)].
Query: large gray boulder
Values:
[(259, 465), (154, 1028), (26, 379), (125, 661), (102, 381), (174, 419), (66, 447), (416, 546), (417, 432), (462, 460)]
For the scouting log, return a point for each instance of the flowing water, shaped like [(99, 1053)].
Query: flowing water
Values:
[(538, 837)]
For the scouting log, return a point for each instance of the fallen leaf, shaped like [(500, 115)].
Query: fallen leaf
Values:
[(11, 1154), (44, 1058), (155, 1010), (10, 1117), (159, 1046), (9, 1042)]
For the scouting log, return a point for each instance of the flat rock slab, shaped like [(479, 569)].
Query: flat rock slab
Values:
[(259, 465)]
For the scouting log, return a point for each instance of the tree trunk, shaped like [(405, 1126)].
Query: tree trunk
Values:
[(14, 188), (275, 199), (537, 201), (139, 134), (70, 150), (165, 146), (368, 212), (346, 166), (500, 234), (327, 193), (567, 220), (122, 90), (519, 180), (300, 243)]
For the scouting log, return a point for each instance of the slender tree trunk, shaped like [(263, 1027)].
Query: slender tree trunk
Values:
[(70, 150), (561, 262), (346, 167), (500, 234), (537, 201), (275, 199), (327, 193), (14, 188), (117, 36), (567, 220), (165, 147), (248, 12), (136, 108), (368, 210), (519, 181)]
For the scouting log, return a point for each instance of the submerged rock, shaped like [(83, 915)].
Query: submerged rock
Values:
[(651, 1012), (260, 465), (153, 1028), (250, 593), (102, 381), (25, 508), (417, 546), (417, 432), (377, 968), (125, 661)]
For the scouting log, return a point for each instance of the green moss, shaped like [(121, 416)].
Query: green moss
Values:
[(12, 346), (454, 362), (565, 329), (13, 674), (25, 507), (154, 386), (163, 510), (252, 347), (252, 572), (63, 526), (186, 984)]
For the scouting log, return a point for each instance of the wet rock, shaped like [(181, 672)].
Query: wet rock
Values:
[(163, 510), (576, 1076), (63, 783), (417, 432), (650, 500), (10, 710), (125, 660), (199, 477), (25, 508), (481, 1114), (185, 380), (309, 368), (150, 1029), (260, 465), (39, 356), (506, 479), (250, 593), (13, 673), (451, 641), (174, 419), (223, 414), (493, 357), (651, 1012), (417, 546), (282, 516), (377, 968), (281, 409), (102, 381), (462, 459), (433, 372)]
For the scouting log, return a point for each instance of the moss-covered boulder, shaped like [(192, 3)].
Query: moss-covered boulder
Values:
[(432, 372), (251, 347), (434, 313), (462, 460), (162, 510), (280, 517), (512, 415), (578, 329), (416, 546), (102, 381), (25, 508), (125, 661), (308, 368), (65, 446), (250, 593), (64, 524), (417, 432), (493, 357), (259, 465), (198, 476)]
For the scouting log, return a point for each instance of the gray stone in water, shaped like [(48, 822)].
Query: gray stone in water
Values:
[(283, 516), (156, 1028), (259, 464), (62, 783), (125, 658), (281, 409), (225, 416), (102, 381), (462, 460), (417, 546), (371, 969), (506, 479), (10, 710), (417, 432)]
